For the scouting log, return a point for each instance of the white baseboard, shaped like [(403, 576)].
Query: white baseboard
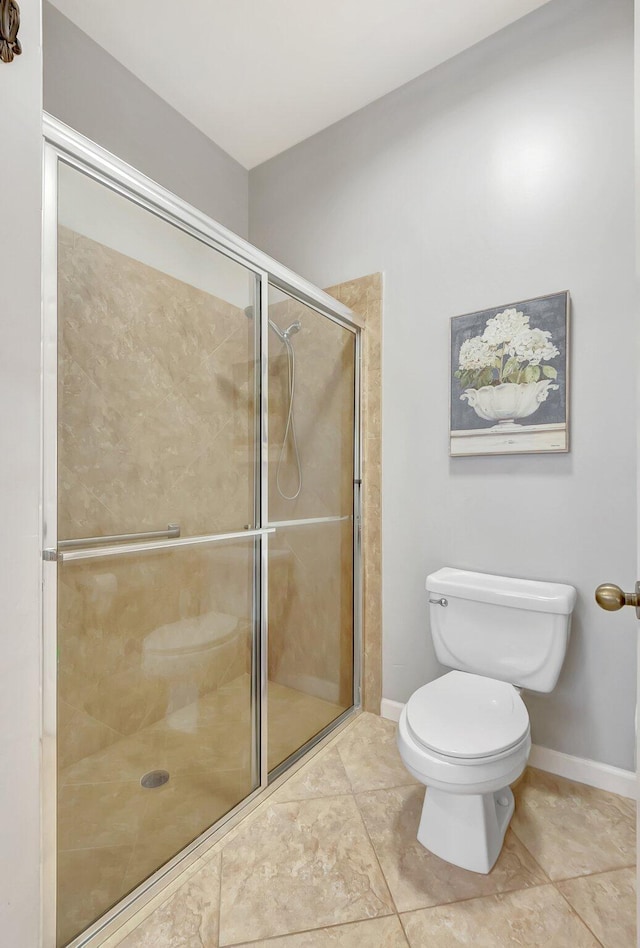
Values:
[(391, 709), (591, 772)]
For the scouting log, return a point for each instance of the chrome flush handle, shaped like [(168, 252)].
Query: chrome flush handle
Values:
[(439, 602)]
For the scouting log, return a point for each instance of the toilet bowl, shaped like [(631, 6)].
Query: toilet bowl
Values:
[(181, 652), (466, 738), (466, 735)]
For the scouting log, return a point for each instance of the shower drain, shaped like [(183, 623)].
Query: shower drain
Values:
[(155, 778)]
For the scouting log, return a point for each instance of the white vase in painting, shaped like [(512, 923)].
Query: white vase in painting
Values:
[(506, 402)]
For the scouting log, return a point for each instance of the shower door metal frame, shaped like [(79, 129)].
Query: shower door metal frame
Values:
[(63, 144)]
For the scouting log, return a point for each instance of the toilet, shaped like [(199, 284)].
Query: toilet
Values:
[(181, 652), (466, 735)]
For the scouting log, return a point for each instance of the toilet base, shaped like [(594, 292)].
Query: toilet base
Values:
[(466, 829)]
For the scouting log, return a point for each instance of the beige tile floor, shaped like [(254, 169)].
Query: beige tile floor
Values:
[(112, 833), (330, 860)]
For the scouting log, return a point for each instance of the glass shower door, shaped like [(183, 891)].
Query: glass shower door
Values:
[(157, 604), (311, 461)]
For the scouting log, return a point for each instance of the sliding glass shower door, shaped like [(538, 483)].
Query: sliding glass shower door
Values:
[(201, 498), (156, 610), (312, 407)]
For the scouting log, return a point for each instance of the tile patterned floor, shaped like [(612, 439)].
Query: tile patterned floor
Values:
[(330, 860), (112, 833)]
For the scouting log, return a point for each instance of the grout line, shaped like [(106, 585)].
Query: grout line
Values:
[(596, 872), (584, 875), (529, 853), (478, 898), (396, 786), (575, 912), (310, 931), (377, 858), (404, 930), (219, 926)]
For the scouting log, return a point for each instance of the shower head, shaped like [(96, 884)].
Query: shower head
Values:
[(293, 328), (282, 334)]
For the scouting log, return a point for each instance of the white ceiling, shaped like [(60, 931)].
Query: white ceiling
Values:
[(257, 76)]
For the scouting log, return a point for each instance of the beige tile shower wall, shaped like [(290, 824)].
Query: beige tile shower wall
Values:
[(155, 426), (364, 297)]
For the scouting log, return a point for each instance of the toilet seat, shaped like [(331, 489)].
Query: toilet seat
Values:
[(192, 635), (467, 717)]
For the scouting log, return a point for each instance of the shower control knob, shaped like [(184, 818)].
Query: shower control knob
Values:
[(611, 598)]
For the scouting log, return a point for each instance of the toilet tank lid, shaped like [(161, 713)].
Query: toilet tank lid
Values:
[(503, 590)]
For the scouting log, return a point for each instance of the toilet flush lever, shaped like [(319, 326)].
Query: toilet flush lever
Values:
[(611, 597), (439, 602)]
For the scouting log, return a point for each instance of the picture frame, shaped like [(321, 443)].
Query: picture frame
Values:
[(509, 378)]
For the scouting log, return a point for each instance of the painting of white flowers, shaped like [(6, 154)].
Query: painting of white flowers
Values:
[(509, 378)]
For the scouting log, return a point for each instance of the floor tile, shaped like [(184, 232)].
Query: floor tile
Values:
[(571, 829), (321, 777), (415, 876), (375, 933), (301, 865), (189, 919), (370, 755), (531, 918), (607, 903)]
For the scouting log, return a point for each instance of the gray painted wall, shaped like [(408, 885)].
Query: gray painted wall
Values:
[(504, 174), (20, 630), (91, 91)]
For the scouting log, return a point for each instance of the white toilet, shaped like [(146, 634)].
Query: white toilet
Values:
[(181, 652), (466, 735)]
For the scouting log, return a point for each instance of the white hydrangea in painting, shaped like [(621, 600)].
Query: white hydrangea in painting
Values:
[(502, 370), (504, 327), (475, 354), (508, 351), (533, 346)]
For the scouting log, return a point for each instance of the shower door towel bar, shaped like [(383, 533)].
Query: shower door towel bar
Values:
[(118, 549), (308, 521), (172, 531)]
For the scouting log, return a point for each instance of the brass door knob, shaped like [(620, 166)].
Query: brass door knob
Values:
[(611, 597)]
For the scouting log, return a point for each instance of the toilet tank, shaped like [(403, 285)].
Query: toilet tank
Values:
[(515, 630)]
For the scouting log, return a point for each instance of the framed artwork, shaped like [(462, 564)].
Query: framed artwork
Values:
[(509, 386)]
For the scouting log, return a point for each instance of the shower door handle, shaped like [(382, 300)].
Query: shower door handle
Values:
[(172, 532), (61, 555)]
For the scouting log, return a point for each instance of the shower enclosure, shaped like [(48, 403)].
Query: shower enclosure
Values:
[(201, 530)]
